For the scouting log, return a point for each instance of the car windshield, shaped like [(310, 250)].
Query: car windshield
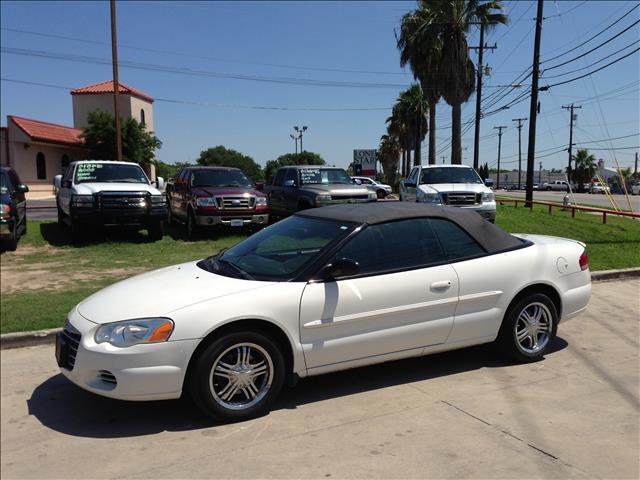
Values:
[(110, 173), (280, 251), (220, 178), (449, 175), (310, 176), (5, 184)]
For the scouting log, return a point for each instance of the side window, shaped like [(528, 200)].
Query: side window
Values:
[(291, 175), (403, 244), (413, 176), (13, 180), (41, 166), (142, 119), (181, 175), (68, 174), (279, 180), (455, 241)]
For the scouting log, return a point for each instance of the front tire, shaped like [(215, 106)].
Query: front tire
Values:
[(156, 231), (381, 194), (10, 244), (237, 377), (190, 225), (528, 328)]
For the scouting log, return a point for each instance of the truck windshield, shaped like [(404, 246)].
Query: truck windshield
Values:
[(280, 251), (220, 178), (323, 175), (110, 173), (449, 175)]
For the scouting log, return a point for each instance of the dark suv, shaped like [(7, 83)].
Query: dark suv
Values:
[(13, 209)]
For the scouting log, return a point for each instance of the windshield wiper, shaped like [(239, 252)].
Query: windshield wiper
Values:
[(239, 270)]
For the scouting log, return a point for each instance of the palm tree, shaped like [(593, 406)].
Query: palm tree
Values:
[(408, 121), (584, 167), (420, 47), (388, 153), (440, 30)]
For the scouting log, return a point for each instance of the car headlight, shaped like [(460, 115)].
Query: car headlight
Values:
[(206, 201), (158, 199), (261, 201), (133, 332), (323, 198), (428, 197), (488, 197), (82, 200)]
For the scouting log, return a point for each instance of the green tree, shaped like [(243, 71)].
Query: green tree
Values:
[(409, 124), (388, 154), (584, 168), (437, 32), (138, 144), (304, 158), (169, 171), (226, 157)]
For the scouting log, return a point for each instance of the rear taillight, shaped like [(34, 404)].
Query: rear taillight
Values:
[(5, 210), (584, 261)]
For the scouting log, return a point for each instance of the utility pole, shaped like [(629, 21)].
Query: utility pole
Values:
[(300, 133), (635, 170), (443, 159), (295, 141), (500, 128), (116, 84), (570, 108), (540, 175), (480, 70), (533, 110), (519, 120)]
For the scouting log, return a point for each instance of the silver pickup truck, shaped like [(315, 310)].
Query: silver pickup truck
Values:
[(300, 187), (452, 185)]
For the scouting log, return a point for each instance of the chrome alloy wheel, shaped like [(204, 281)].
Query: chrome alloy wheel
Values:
[(533, 328), (241, 376)]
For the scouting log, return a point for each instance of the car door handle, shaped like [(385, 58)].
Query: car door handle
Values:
[(443, 285)]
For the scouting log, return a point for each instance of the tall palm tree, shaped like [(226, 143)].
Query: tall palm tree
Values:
[(409, 122), (388, 153), (584, 167), (435, 39), (420, 48)]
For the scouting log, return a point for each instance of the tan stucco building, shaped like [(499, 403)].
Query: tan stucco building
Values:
[(38, 150)]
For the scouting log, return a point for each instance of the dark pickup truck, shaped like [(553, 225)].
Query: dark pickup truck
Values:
[(300, 187), (210, 196)]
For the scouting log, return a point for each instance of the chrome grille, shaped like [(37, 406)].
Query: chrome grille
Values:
[(108, 377), (72, 338), (123, 201), (235, 202), (462, 198)]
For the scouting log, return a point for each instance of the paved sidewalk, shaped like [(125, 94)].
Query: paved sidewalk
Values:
[(464, 414)]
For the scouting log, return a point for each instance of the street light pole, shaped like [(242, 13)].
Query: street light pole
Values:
[(116, 84), (300, 132)]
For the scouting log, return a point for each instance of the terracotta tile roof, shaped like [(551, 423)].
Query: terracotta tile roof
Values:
[(107, 87), (48, 132)]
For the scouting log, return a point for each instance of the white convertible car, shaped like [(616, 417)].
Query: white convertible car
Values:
[(324, 290)]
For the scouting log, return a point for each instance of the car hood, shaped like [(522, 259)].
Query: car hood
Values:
[(97, 187), (159, 292), (454, 187), (213, 191), (337, 189)]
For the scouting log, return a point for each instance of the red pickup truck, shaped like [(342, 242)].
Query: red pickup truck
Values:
[(210, 196)]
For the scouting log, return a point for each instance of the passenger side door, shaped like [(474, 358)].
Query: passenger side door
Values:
[(64, 193), (274, 197), (410, 185), (290, 192), (402, 300)]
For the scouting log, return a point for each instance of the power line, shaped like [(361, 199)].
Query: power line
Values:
[(593, 37)]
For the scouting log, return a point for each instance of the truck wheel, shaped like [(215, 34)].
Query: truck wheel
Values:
[(156, 231), (60, 216), (303, 206), (237, 376), (548, 189), (381, 193), (10, 244), (76, 230)]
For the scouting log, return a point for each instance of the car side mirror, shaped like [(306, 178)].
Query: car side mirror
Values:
[(57, 181), (22, 188), (260, 185), (160, 183), (488, 182), (290, 183), (345, 267)]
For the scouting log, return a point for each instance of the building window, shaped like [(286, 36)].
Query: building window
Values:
[(142, 119), (65, 161), (41, 166)]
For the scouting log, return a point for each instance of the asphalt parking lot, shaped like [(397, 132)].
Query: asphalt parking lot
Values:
[(464, 414)]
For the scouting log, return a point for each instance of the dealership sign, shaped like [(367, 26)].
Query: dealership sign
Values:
[(365, 162)]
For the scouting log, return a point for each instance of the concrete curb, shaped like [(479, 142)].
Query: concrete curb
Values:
[(46, 337)]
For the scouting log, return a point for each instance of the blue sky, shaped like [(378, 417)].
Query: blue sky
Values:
[(348, 42)]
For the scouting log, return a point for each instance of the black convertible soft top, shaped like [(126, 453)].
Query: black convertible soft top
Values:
[(492, 238)]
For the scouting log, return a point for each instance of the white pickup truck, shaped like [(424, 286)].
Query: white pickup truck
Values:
[(105, 192), (451, 185)]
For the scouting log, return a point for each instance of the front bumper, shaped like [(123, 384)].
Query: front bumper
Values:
[(141, 372), (96, 216), (232, 220)]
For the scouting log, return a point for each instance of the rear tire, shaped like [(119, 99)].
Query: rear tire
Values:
[(528, 328), (381, 194), (190, 225), (10, 244), (237, 377)]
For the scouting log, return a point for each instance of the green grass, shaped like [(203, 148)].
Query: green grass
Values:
[(48, 248)]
